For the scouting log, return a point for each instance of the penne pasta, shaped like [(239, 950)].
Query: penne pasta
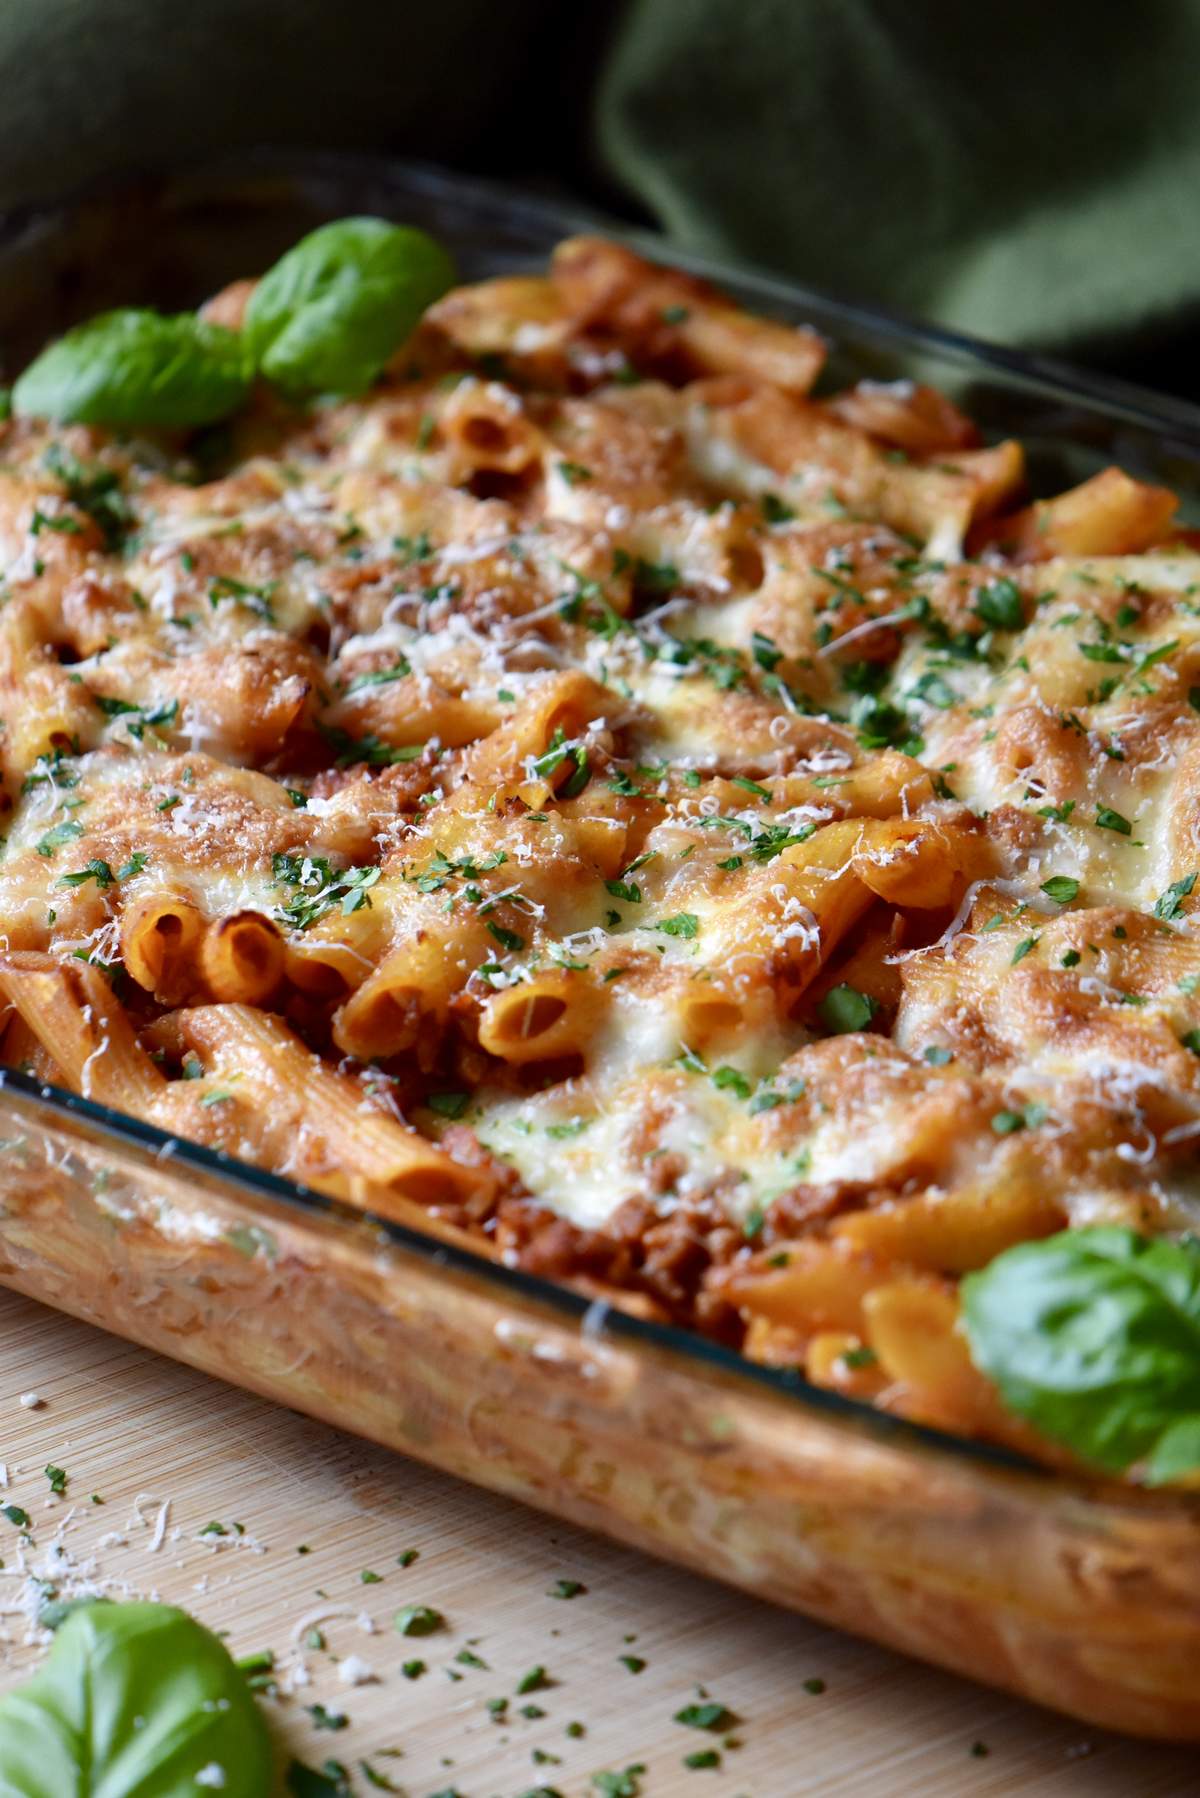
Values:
[(553, 1015), (161, 935), (241, 958), (726, 843)]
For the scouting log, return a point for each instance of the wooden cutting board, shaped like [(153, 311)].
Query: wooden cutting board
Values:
[(171, 1452)]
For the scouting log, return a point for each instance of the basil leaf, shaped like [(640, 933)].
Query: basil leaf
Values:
[(133, 368), (326, 318), (1094, 1336), (133, 1701)]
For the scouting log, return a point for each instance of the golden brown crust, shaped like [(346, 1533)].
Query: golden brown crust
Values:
[(594, 775)]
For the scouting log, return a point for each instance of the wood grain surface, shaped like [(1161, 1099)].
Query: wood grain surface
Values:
[(143, 1433)]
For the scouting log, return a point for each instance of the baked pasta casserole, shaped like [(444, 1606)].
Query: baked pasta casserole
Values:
[(723, 848)]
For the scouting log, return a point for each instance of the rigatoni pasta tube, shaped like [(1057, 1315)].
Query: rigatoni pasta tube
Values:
[(911, 1324), (24, 1050), (564, 702), (413, 988), (321, 1115), (71, 1010), (789, 915), (720, 1002), (721, 340), (551, 1015), (160, 942), (1110, 514), (242, 958), (485, 427), (954, 1232), (410, 711), (335, 955), (917, 862), (807, 1285)]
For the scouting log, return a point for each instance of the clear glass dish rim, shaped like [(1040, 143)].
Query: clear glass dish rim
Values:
[(1124, 401)]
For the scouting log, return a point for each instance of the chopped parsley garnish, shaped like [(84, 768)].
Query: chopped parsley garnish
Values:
[(655, 577), (844, 1009), (1169, 904), (774, 510), (765, 651), (1006, 1123), (684, 924), (96, 870), (95, 489), (58, 835), (560, 754), (137, 718), (51, 769), (413, 549), (731, 1080), (1107, 819), (418, 1620), (750, 786), (705, 1716), (63, 523), (448, 1105), (1000, 604), (935, 691), (1061, 888), (326, 1719), (1102, 652), (369, 749), (566, 1588), (254, 599), (321, 889), (617, 1785), (379, 677)]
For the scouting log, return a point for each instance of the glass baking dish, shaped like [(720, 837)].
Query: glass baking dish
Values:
[(1081, 1594)]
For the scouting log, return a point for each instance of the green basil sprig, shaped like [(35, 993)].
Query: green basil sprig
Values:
[(326, 318), (133, 1701), (1093, 1335), (134, 369)]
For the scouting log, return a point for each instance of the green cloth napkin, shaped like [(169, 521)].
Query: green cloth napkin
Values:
[(1029, 173)]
